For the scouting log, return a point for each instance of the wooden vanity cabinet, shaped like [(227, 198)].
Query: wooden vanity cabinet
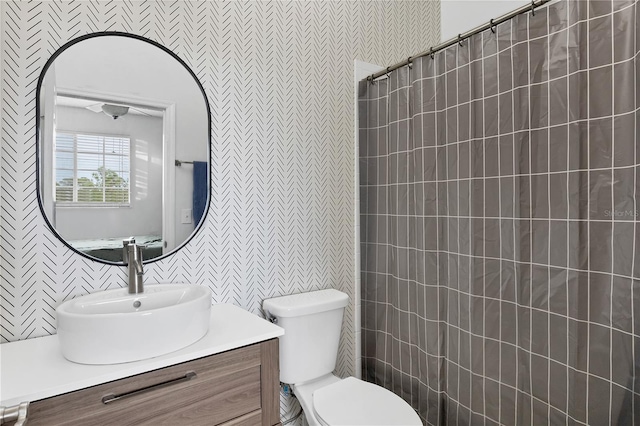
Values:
[(237, 387)]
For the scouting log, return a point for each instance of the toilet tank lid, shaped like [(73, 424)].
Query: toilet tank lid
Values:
[(308, 303)]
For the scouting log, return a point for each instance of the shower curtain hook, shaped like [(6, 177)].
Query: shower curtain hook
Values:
[(431, 52), (533, 7), (491, 26), (409, 64), (460, 40)]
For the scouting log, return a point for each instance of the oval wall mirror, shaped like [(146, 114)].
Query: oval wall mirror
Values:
[(123, 147)]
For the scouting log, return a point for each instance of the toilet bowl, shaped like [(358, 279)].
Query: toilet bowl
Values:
[(332, 401), (308, 354)]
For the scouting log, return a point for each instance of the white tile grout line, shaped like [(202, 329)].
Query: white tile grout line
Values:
[(613, 156), (529, 17), (500, 233), (588, 248), (535, 219), (409, 143), (424, 267), (388, 134), (629, 217), (519, 262), (549, 215), (365, 308), (377, 142), (520, 131), (470, 241), (449, 274), (421, 160), (583, 121), (458, 239), (635, 209), (483, 79), (397, 75), (364, 224), (435, 66), (515, 206), (568, 382), (445, 345)]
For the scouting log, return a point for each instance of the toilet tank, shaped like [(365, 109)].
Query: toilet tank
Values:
[(312, 322)]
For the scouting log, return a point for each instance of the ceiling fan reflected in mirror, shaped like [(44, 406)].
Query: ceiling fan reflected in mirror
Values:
[(113, 110)]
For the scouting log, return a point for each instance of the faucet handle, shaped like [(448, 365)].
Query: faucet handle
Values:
[(139, 265), (125, 248)]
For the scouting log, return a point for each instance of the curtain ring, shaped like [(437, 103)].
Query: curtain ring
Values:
[(459, 40), (431, 52), (491, 26), (533, 7)]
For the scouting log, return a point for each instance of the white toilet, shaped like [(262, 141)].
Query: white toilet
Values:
[(308, 352)]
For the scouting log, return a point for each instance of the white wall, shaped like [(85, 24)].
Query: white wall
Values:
[(361, 70), (459, 16), (144, 216)]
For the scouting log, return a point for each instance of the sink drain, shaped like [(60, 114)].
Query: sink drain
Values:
[(136, 304)]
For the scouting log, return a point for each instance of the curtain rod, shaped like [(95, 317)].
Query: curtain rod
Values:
[(463, 36)]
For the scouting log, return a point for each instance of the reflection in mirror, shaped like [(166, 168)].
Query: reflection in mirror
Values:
[(123, 150)]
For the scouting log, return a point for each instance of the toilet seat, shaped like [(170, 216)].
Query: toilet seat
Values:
[(355, 402)]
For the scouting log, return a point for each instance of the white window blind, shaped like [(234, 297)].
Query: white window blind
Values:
[(92, 169)]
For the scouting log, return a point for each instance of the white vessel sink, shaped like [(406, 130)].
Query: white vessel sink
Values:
[(114, 326)]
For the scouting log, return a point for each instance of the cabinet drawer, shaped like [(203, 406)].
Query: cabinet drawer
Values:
[(252, 419), (225, 386)]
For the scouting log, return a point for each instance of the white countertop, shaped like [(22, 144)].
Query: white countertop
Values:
[(35, 369)]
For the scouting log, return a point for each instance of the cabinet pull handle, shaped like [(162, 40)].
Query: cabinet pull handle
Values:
[(17, 414), (111, 397)]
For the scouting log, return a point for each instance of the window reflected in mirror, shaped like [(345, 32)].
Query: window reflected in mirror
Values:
[(91, 169)]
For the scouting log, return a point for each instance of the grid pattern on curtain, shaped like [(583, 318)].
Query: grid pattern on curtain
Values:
[(500, 240)]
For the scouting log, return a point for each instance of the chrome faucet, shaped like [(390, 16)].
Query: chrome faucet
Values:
[(132, 255)]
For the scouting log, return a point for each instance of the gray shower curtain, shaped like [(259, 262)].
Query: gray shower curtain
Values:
[(499, 223)]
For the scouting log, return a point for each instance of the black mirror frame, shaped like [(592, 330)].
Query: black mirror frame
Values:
[(37, 128)]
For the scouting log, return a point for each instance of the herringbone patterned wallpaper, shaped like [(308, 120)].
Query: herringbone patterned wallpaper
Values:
[(279, 79)]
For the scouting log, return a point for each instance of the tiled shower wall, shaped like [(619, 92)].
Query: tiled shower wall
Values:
[(279, 79), (501, 249)]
